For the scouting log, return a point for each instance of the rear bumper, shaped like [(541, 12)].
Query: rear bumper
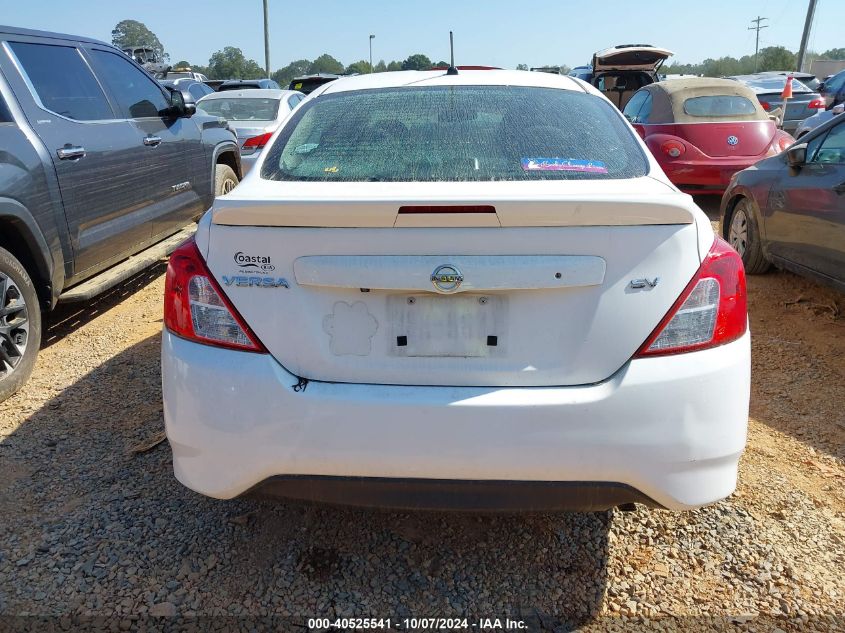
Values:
[(665, 431), (452, 494), (711, 177)]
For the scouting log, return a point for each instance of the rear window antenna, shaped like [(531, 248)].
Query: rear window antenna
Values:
[(451, 70)]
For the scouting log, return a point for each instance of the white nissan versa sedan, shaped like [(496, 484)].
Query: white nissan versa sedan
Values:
[(472, 290)]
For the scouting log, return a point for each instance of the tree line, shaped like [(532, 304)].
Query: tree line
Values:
[(231, 63), (769, 58)]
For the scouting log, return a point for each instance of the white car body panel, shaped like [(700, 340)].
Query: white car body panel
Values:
[(672, 427), (292, 322), (557, 397)]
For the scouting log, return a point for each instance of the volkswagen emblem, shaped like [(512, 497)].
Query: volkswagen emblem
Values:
[(732, 140), (447, 278)]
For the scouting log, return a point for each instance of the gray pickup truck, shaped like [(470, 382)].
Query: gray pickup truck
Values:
[(102, 172)]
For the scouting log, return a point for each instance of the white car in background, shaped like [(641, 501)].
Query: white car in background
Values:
[(470, 291), (253, 115)]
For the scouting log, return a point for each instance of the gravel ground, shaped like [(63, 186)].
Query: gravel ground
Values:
[(89, 528)]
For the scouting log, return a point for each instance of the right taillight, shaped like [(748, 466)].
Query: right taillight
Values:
[(817, 104), (195, 307), (711, 311)]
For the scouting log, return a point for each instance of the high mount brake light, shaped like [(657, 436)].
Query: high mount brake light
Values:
[(257, 142), (711, 311), (195, 307)]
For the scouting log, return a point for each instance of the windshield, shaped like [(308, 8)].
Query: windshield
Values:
[(466, 133), (242, 109)]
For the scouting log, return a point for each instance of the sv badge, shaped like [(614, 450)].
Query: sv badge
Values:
[(639, 284)]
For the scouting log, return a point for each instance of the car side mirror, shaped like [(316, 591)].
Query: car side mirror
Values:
[(178, 108), (796, 155)]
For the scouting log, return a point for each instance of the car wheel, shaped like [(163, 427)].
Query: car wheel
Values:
[(744, 235), (20, 325), (225, 179)]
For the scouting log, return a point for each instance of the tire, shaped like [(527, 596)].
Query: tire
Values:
[(743, 233), (225, 179), (20, 325)]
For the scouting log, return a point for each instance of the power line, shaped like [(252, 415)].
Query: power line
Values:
[(757, 28)]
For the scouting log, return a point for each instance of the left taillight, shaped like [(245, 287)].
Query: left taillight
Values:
[(257, 142), (195, 308), (711, 311), (817, 104)]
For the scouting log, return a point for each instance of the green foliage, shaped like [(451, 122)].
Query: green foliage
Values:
[(394, 66), (296, 68), (182, 64), (776, 58), (230, 63), (771, 58), (131, 33), (522, 66), (325, 63), (361, 67), (416, 62), (381, 66), (834, 53)]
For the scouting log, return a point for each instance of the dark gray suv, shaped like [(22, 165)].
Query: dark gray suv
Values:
[(101, 171)]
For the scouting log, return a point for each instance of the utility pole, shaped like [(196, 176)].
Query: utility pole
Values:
[(757, 28), (805, 38), (266, 41), (372, 37)]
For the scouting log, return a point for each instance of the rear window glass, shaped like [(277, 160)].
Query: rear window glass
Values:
[(444, 133), (307, 86), (719, 105), (242, 109), (776, 84)]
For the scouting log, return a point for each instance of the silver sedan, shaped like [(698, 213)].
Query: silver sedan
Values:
[(817, 119), (253, 115)]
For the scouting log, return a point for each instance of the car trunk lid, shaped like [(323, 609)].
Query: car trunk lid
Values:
[(737, 138), (630, 57), (337, 290)]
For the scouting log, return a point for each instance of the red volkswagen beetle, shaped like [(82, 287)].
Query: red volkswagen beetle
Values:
[(702, 131)]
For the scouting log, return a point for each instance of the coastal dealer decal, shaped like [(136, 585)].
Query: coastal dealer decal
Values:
[(251, 267), (253, 263)]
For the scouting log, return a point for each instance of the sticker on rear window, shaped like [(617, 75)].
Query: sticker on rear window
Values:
[(563, 164)]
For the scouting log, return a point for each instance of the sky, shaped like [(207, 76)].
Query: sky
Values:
[(491, 32)]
